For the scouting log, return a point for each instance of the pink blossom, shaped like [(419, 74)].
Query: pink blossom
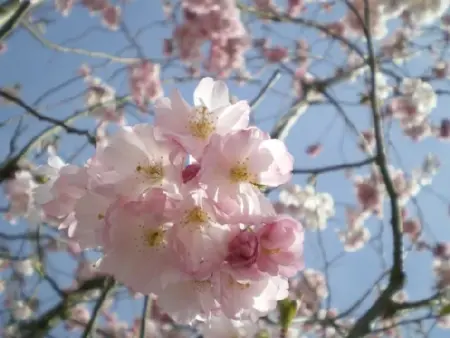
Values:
[(213, 114), (135, 250), (90, 212), (188, 299), (64, 6), (356, 235), (238, 297), (369, 195), (295, 7), (57, 197), (281, 242), (197, 237), (18, 191), (412, 228), (111, 16), (236, 162), (139, 158), (190, 172), (3, 47), (101, 101), (310, 289), (145, 83), (442, 250), (79, 317), (314, 149), (243, 250), (95, 5), (276, 54)]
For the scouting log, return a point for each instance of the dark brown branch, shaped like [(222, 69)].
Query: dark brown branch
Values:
[(33, 112), (336, 167), (397, 277)]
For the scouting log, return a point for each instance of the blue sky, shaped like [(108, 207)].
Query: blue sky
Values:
[(38, 69)]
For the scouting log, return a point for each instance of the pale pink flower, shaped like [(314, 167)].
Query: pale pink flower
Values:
[(64, 6), (369, 194), (19, 191), (356, 235), (233, 164), (145, 83), (111, 16), (197, 237), (295, 7), (57, 197), (281, 246), (310, 289), (79, 317), (137, 159), (213, 114), (220, 326), (95, 5), (314, 149), (3, 47), (101, 101), (190, 172), (239, 297), (90, 213), (276, 54), (135, 250), (412, 228), (442, 250), (188, 299)]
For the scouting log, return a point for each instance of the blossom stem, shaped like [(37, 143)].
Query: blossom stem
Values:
[(144, 315), (109, 283)]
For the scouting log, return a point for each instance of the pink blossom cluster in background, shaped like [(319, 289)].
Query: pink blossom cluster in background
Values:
[(111, 14), (178, 211), (145, 83), (214, 21)]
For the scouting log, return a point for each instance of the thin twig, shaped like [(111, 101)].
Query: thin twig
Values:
[(144, 316), (109, 284), (36, 114), (383, 305), (335, 167)]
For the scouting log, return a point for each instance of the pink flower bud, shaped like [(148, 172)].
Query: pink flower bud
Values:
[(243, 250), (190, 172)]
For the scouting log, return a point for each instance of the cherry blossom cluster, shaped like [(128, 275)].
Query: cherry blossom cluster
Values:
[(110, 13), (414, 13), (413, 107), (178, 211), (312, 208), (145, 83), (214, 21), (100, 99)]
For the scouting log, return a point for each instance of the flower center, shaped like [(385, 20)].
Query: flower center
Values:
[(271, 251), (202, 286), (202, 125), (154, 238), (154, 172), (235, 284), (240, 173), (196, 216)]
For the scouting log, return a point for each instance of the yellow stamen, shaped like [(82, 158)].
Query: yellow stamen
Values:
[(271, 251), (154, 172), (154, 237), (202, 126), (196, 215), (240, 173)]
